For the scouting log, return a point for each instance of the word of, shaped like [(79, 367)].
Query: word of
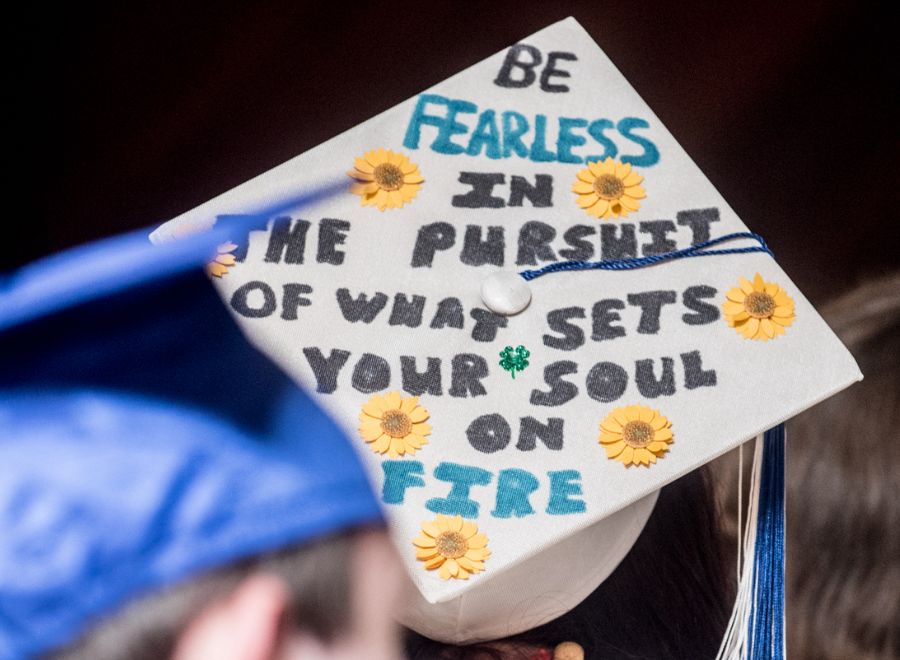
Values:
[(258, 300)]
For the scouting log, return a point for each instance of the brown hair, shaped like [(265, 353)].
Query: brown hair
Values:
[(148, 629), (843, 494), (842, 484)]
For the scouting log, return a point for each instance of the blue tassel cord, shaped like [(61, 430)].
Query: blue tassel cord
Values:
[(699, 250), (766, 631)]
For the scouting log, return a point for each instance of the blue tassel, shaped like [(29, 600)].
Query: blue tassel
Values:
[(766, 633)]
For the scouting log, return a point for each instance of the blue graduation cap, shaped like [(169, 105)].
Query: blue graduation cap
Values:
[(129, 457)]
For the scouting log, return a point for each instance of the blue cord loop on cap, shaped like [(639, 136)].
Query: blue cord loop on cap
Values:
[(698, 250)]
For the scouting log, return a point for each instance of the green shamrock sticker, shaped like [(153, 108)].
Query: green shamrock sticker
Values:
[(514, 360)]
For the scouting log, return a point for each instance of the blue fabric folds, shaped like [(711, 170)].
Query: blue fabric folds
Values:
[(142, 439)]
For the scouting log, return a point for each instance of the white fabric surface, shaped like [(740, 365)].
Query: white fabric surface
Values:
[(539, 567)]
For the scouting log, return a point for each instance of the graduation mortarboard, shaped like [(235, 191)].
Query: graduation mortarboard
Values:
[(533, 310), (128, 458)]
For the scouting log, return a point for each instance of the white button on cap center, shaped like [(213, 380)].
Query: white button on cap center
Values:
[(505, 292)]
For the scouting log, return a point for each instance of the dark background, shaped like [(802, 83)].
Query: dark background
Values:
[(127, 116)]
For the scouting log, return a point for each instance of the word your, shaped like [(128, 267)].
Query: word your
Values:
[(512, 493), (372, 373)]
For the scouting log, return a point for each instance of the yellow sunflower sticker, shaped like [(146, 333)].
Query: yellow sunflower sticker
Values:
[(394, 425), (635, 435), (608, 189), (222, 261), (452, 545), (758, 310), (385, 179)]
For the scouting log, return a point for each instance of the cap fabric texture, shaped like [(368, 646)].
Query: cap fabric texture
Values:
[(518, 456), (129, 459)]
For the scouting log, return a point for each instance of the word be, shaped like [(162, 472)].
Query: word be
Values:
[(526, 59), (512, 495)]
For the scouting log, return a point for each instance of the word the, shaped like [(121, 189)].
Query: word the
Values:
[(287, 241)]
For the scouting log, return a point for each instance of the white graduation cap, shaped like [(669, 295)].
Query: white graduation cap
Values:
[(515, 400)]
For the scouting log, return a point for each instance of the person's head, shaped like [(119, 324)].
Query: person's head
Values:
[(166, 491), (332, 598)]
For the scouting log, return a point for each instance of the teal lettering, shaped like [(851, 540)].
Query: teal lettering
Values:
[(564, 484), (567, 139), (513, 488), (651, 153), (398, 476), (458, 502), (539, 153), (447, 125), (485, 135)]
